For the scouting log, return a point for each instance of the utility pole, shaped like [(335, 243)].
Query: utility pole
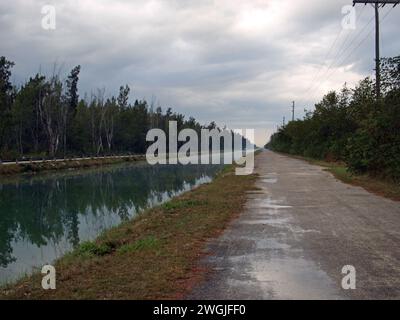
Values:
[(376, 4), (283, 121), (293, 110), (377, 55)]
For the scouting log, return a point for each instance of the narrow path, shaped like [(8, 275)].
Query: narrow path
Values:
[(296, 234)]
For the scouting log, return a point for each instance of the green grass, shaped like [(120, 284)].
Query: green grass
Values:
[(89, 248), (147, 243), (341, 173), (171, 206)]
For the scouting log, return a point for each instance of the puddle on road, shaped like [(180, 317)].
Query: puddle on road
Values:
[(267, 203), (292, 278), (268, 243), (279, 275), (267, 221), (269, 178)]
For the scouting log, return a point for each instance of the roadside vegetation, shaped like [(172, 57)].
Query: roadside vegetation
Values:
[(154, 256), (352, 127), (378, 185)]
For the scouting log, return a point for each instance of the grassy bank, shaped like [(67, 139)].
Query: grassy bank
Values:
[(151, 257), (383, 187), (48, 165)]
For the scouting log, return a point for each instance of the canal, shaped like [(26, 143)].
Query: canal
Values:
[(43, 217)]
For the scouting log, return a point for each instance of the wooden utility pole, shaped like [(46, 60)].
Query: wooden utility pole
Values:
[(376, 4), (377, 55), (293, 110)]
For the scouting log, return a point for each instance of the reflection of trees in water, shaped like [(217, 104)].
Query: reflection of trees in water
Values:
[(43, 211)]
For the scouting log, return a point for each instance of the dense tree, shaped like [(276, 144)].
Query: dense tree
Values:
[(6, 99), (123, 96), (72, 89), (26, 116)]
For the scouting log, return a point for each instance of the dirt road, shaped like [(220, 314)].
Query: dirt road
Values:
[(296, 234)]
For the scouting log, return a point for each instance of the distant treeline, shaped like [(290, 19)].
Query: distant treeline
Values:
[(46, 117), (352, 126)]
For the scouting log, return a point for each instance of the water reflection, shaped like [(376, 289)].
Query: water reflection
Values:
[(43, 217)]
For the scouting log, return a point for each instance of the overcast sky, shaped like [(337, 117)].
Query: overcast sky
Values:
[(240, 63)]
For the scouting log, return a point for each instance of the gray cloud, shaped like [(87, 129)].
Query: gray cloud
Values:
[(240, 63)]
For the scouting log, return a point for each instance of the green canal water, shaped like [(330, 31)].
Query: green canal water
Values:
[(42, 217)]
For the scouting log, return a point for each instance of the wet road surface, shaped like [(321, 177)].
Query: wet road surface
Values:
[(296, 234)]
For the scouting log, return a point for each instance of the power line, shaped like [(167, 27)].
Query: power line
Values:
[(353, 51), (357, 35), (329, 75), (329, 51), (339, 52), (325, 58)]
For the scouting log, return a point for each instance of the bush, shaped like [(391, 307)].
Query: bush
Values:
[(91, 248)]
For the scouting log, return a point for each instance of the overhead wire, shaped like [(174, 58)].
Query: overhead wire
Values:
[(353, 51)]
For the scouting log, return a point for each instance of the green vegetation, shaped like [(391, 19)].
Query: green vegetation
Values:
[(154, 256), (148, 243), (352, 126), (89, 248), (378, 185), (171, 206)]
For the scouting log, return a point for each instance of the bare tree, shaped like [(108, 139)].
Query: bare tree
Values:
[(51, 112), (97, 114), (111, 111)]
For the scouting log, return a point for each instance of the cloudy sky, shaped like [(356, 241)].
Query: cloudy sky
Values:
[(240, 63)]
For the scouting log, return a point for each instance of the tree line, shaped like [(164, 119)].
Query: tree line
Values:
[(45, 117), (352, 126)]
